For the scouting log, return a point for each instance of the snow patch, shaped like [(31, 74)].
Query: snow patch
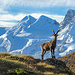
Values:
[(23, 33)]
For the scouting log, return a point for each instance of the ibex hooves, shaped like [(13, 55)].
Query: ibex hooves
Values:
[(53, 56), (42, 57)]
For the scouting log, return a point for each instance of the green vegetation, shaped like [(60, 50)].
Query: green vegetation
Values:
[(27, 65), (20, 71)]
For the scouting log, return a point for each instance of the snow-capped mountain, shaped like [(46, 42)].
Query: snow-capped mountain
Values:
[(69, 17), (67, 42), (27, 36)]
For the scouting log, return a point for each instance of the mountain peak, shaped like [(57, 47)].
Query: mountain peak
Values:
[(43, 16), (70, 13), (68, 17), (70, 10), (27, 17), (30, 16)]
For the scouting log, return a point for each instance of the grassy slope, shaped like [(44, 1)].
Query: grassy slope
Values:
[(27, 65), (69, 60)]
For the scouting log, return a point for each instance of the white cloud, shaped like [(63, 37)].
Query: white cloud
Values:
[(58, 18), (8, 17), (11, 17), (8, 4), (3, 11), (5, 20), (6, 24), (36, 3)]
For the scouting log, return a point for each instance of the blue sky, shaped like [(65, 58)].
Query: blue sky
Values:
[(14, 10)]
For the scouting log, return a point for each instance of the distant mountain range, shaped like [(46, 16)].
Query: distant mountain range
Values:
[(28, 34)]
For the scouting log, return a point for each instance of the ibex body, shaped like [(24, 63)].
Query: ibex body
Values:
[(49, 45)]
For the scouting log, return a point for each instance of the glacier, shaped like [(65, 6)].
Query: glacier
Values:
[(29, 33)]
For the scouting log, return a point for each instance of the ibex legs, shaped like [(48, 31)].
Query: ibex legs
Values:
[(43, 52), (53, 56)]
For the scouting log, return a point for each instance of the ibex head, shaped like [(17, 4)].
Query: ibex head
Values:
[(56, 33)]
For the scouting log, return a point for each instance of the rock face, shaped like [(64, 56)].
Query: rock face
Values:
[(67, 41), (69, 18)]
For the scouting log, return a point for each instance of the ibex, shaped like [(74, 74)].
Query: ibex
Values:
[(49, 45)]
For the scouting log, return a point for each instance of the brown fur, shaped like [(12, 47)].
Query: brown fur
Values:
[(49, 45)]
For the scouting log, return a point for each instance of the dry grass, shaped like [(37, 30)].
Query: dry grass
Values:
[(27, 65), (70, 61)]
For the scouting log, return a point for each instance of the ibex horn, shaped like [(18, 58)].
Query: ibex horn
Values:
[(53, 32), (57, 31)]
